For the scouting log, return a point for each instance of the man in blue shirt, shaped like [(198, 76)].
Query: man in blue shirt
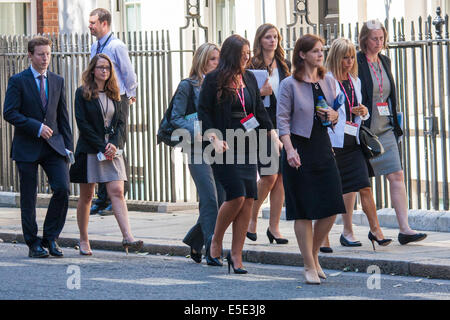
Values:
[(117, 51)]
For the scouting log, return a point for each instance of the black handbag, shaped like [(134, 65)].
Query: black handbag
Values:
[(166, 128), (370, 143)]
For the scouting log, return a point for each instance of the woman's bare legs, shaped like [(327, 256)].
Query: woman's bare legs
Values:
[(227, 213), (240, 225), (276, 205), (83, 208), (120, 209), (265, 185)]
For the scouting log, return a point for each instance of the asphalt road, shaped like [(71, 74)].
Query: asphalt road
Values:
[(115, 276)]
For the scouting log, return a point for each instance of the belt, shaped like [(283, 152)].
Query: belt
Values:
[(238, 115)]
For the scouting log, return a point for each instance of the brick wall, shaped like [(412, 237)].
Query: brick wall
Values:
[(47, 16)]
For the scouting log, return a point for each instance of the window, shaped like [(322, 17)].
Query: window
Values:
[(225, 18), (14, 17), (133, 15)]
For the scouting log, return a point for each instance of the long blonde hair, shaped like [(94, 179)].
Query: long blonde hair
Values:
[(339, 49), (200, 61), (90, 88)]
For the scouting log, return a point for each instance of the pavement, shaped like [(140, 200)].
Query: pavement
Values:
[(162, 234)]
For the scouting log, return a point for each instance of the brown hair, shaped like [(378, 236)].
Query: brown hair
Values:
[(103, 15), (366, 29), (90, 89), (257, 61), (305, 44), (38, 41), (229, 67), (339, 49), (200, 61)]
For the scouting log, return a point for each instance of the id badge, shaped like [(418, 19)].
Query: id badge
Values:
[(383, 109), (351, 128), (250, 123)]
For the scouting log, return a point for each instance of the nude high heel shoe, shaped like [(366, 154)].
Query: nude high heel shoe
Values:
[(311, 277)]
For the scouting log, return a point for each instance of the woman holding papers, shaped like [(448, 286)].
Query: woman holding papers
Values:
[(230, 108), (269, 55), (310, 175), (184, 116), (379, 95), (98, 156), (342, 66)]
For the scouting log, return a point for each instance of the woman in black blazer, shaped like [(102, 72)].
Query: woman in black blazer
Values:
[(229, 103), (269, 55), (379, 96), (98, 155)]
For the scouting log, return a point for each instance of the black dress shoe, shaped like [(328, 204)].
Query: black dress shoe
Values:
[(252, 236), (53, 248), (210, 261), (347, 243), (36, 251), (277, 240), (405, 238), (326, 250)]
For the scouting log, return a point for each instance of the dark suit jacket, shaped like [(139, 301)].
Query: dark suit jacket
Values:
[(91, 126), (216, 114), (367, 88), (23, 109)]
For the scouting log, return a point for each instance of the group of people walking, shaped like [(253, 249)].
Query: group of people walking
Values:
[(319, 167), (322, 167)]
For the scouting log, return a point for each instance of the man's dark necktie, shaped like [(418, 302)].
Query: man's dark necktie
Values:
[(99, 47), (42, 92)]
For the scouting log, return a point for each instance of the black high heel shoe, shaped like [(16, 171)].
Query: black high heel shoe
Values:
[(348, 243), (277, 240), (405, 238), (382, 243), (231, 264), (252, 236), (215, 262), (196, 256)]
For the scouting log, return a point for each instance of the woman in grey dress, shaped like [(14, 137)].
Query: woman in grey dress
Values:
[(98, 156), (378, 94)]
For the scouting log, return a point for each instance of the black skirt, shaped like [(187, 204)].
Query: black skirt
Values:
[(352, 168), (314, 191), (238, 180)]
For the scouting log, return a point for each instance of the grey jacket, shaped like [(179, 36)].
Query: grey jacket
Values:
[(180, 104), (295, 106)]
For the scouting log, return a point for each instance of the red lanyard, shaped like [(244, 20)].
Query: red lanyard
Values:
[(241, 96), (380, 85), (350, 105)]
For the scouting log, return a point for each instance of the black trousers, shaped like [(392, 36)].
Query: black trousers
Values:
[(102, 194), (57, 170)]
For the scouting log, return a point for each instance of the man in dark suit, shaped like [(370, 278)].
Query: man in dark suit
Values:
[(35, 105)]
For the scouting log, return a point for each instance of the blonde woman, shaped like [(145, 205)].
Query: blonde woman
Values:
[(269, 55), (209, 190), (97, 157), (342, 66)]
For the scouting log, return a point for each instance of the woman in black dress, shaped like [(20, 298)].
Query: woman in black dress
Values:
[(310, 175), (229, 103), (341, 63)]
